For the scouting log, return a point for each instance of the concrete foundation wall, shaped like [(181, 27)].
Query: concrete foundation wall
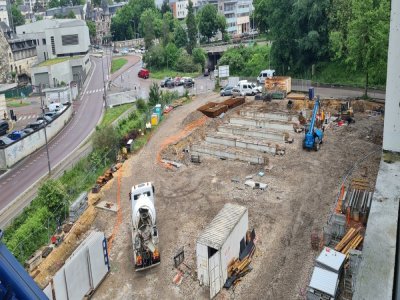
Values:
[(29, 144), (227, 153), (270, 124), (241, 143), (251, 132), (269, 115)]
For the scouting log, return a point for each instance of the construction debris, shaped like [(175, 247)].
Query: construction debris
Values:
[(350, 241), (256, 185), (172, 163), (110, 206), (239, 267)]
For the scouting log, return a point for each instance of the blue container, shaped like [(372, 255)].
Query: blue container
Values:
[(311, 93)]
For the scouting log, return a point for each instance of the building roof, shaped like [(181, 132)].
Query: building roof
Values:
[(324, 281), (216, 233), (40, 26), (77, 10), (330, 259)]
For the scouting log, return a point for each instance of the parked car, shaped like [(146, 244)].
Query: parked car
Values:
[(167, 82), (4, 127), (124, 51), (132, 50), (144, 73), (115, 50), (45, 118), (246, 88), (16, 135), (4, 141), (227, 90), (51, 114), (179, 81), (36, 125), (28, 130), (188, 82), (206, 72), (236, 92), (56, 107)]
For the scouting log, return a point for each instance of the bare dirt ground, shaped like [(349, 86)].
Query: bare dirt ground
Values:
[(302, 189)]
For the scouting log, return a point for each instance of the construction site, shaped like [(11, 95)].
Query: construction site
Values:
[(217, 155)]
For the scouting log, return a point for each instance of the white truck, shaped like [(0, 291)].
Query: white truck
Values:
[(144, 229)]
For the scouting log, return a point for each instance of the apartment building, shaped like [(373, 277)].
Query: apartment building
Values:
[(19, 54), (179, 8), (4, 16)]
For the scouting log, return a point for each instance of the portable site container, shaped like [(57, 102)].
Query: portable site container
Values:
[(154, 119), (323, 285), (218, 244)]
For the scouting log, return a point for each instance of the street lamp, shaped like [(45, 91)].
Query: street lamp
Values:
[(104, 82), (45, 125)]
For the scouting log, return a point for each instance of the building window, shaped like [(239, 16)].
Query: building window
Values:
[(71, 39), (44, 41), (53, 45)]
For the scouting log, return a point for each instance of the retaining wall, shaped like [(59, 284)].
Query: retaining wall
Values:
[(16, 151), (271, 124), (252, 132)]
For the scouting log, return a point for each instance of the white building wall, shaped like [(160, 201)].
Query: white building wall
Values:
[(391, 130), (231, 247), (202, 264), (3, 13)]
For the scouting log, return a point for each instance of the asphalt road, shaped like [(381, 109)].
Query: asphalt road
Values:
[(87, 113)]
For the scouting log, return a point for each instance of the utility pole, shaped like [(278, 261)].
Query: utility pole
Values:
[(104, 82), (45, 125)]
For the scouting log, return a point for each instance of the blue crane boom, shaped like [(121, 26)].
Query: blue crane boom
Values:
[(15, 282), (313, 137)]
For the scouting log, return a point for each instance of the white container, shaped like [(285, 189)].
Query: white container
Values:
[(218, 244)]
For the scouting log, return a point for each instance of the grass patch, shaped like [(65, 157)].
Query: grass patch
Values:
[(17, 103), (161, 74), (117, 64), (57, 60), (113, 113)]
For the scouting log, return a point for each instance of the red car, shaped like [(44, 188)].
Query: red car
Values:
[(144, 73)]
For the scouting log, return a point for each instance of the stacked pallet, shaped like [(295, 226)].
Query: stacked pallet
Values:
[(356, 204), (237, 269), (351, 240)]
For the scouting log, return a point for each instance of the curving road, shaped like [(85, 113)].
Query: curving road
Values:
[(87, 110)]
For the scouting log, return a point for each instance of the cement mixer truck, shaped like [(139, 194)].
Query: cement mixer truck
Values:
[(144, 229)]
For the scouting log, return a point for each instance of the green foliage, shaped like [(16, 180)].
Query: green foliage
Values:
[(246, 61), (53, 4), (92, 28), (71, 15), (106, 140), (17, 17), (165, 7), (167, 27), (155, 58), (113, 113), (39, 18), (141, 105), (367, 39), (171, 53), (167, 97), (199, 57), (125, 24), (185, 63), (180, 36), (37, 7), (149, 22), (117, 64), (154, 94), (191, 28), (208, 21)]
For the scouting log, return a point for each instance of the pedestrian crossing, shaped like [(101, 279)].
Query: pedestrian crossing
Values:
[(26, 117), (94, 91)]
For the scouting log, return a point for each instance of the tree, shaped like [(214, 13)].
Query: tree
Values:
[(368, 38), (221, 20), (92, 29), (167, 20), (147, 21), (106, 141), (52, 196), (208, 21), (17, 17), (37, 6), (191, 28), (155, 58), (154, 94), (199, 57), (165, 7), (53, 4), (171, 53), (180, 36), (263, 10), (71, 15)]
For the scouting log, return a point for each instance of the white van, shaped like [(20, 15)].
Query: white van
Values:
[(265, 74), (248, 88), (56, 107)]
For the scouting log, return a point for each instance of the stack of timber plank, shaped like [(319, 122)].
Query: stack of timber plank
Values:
[(351, 240)]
